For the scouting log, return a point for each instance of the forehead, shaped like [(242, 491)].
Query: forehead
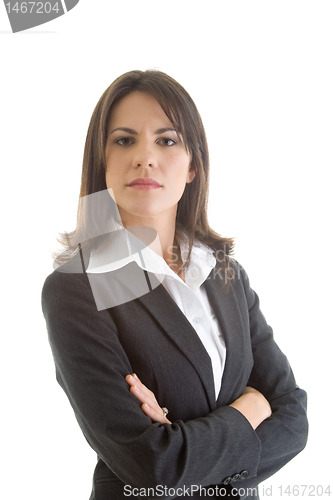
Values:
[(138, 108)]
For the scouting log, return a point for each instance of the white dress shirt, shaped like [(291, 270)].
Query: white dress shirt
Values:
[(190, 296)]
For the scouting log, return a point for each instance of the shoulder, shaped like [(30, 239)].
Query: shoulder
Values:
[(64, 290), (67, 276), (238, 270), (229, 270), (70, 311), (241, 281), (232, 279), (60, 281)]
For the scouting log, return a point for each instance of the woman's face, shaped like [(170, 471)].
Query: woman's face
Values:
[(147, 165)]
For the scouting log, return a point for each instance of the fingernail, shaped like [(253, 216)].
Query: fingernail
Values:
[(135, 376)]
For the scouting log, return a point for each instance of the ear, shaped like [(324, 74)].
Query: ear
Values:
[(190, 174)]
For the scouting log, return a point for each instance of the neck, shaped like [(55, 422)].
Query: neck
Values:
[(165, 226)]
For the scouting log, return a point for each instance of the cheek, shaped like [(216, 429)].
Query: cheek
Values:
[(108, 178), (112, 167), (111, 181), (117, 166), (179, 164)]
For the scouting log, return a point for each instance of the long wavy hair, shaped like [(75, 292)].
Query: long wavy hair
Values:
[(191, 218)]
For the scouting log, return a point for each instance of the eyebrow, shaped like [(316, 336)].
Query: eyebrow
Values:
[(133, 132)]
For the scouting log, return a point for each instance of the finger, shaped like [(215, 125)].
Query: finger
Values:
[(133, 378), (145, 398), (132, 381), (157, 416)]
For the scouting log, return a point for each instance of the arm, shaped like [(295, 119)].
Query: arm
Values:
[(280, 420), (91, 366), (284, 434), (252, 404)]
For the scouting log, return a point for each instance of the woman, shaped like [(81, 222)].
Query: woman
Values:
[(157, 337)]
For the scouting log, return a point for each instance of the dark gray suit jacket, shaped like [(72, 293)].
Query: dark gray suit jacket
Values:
[(209, 442)]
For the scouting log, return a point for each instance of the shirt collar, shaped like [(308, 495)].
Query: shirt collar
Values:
[(126, 248)]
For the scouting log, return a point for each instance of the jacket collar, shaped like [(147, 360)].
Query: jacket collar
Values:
[(160, 305), (226, 307)]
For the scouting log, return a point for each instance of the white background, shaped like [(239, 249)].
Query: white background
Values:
[(261, 75)]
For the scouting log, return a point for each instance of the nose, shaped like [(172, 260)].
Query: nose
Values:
[(144, 157)]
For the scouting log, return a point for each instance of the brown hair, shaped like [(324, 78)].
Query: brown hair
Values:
[(179, 107)]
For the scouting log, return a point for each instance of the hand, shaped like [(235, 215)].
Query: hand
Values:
[(150, 405), (253, 405)]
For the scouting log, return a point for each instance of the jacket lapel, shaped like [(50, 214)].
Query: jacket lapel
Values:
[(162, 307), (225, 306)]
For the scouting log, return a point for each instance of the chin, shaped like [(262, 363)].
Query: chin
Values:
[(139, 211), (146, 211)]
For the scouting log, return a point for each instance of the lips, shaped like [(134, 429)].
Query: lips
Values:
[(144, 184)]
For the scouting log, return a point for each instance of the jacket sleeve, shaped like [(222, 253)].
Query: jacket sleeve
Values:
[(91, 365), (284, 434)]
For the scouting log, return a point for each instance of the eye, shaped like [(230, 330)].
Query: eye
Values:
[(165, 141), (124, 141)]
